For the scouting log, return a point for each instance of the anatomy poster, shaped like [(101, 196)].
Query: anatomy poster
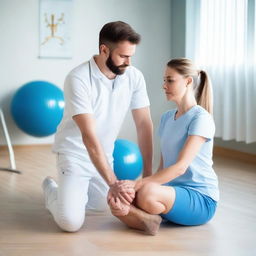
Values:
[(55, 29)]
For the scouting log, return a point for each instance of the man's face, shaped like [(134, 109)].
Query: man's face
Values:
[(120, 57)]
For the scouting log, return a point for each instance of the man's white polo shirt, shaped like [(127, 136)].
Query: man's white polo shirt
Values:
[(88, 90)]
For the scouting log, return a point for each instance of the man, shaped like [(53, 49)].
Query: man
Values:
[(98, 95)]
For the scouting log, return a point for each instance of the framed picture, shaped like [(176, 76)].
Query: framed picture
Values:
[(55, 29)]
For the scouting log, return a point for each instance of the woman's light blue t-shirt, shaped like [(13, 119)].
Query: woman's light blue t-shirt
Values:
[(173, 133)]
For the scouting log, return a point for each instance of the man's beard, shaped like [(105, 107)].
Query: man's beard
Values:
[(115, 69)]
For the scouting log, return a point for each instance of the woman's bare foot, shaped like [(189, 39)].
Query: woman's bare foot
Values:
[(140, 220), (151, 223)]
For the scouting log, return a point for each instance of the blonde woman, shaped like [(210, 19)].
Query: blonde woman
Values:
[(184, 190)]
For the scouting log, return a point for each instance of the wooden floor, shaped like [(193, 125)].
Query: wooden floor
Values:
[(26, 228)]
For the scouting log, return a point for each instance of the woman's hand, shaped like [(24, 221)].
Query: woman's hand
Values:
[(135, 184)]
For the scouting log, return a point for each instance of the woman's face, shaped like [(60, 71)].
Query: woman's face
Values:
[(175, 85)]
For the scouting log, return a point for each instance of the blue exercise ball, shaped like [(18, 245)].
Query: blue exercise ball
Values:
[(37, 108), (128, 162)]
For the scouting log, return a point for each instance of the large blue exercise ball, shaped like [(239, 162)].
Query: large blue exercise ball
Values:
[(37, 108), (128, 161)]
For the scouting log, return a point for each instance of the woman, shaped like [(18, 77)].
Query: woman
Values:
[(184, 190)]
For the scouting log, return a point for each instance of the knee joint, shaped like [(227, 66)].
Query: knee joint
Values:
[(70, 224)]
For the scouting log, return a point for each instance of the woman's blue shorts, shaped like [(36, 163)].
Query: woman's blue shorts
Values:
[(190, 207)]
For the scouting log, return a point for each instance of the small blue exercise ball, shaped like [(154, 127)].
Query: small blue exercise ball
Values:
[(37, 108), (128, 162)]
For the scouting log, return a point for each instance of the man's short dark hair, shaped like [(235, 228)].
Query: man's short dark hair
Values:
[(118, 31)]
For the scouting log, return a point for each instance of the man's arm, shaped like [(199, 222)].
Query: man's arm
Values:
[(87, 126), (144, 127), (161, 164)]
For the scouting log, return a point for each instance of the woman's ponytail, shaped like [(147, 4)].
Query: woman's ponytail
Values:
[(203, 92)]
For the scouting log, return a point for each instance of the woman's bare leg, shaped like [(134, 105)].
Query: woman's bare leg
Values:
[(155, 199), (141, 220), (151, 200)]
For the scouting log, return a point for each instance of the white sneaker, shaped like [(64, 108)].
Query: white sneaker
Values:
[(49, 186)]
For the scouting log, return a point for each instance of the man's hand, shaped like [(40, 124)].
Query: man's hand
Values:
[(124, 190), (118, 208)]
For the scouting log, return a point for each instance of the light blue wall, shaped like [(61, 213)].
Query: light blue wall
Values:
[(162, 25), (19, 50), (178, 28)]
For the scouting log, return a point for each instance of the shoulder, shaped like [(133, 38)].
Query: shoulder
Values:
[(134, 73), (80, 75), (202, 114), (201, 123), (80, 71)]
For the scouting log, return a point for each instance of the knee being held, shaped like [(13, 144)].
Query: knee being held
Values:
[(145, 196)]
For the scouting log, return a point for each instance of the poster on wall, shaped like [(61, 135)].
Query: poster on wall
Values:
[(55, 27)]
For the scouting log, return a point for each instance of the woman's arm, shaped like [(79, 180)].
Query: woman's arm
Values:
[(186, 156)]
